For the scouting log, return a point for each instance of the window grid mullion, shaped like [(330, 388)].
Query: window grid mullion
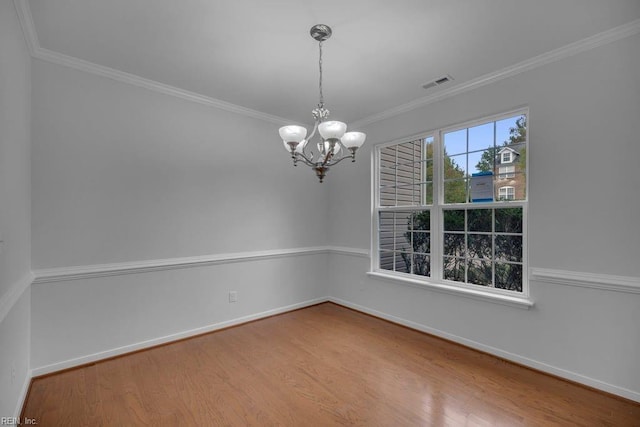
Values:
[(466, 238), (437, 224), (493, 247)]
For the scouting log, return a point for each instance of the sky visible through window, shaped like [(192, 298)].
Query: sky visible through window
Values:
[(480, 139)]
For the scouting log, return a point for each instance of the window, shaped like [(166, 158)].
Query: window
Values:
[(427, 228), (506, 172), (507, 193)]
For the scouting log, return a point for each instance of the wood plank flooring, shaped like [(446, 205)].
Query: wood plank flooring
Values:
[(320, 366)]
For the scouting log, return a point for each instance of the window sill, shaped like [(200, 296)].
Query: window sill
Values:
[(513, 301)]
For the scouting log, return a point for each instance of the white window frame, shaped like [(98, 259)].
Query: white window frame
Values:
[(436, 281), (506, 189), (503, 158)]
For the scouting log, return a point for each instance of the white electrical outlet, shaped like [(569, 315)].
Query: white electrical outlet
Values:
[(233, 296)]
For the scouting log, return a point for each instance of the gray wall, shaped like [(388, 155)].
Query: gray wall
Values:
[(15, 202), (583, 217), (125, 174), (121, 173)]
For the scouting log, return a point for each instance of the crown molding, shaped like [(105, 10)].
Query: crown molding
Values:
[(26, 22), (132, 79), (597, 40), (600, 39), (38, 52)]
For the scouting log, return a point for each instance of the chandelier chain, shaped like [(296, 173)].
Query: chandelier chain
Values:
[(321, 104)]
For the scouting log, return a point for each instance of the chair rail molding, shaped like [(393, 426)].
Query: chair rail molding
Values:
[(586, 280), (60, 274)]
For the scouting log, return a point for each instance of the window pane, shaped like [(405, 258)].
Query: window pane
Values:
[(422, 242), (521, 156), (406, 152), (511, 130), (517, 181), (427, 192), (428, 147), (481, 137), (509, 276), (387, 196), (386, 260), (455, 142), (388, 156), (421, 220), (509, 248), (453, 269), (479, 219), (405, 195), (455, 166), (386, 220), (419, 195), (422, 265), (483, 161), (455, 191), (408, 173), (404, 221), (454, 244), (403, 262), (479, 272), (509, 220), (480, 161), (479, 246), (386, 240), (454, 220), (385, 227)]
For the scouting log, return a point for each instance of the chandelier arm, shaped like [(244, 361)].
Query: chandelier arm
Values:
[(310, 137), (351, 156), (327, 158), (305, 159)]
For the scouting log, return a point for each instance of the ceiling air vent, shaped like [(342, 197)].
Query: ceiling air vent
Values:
[(437, 82)]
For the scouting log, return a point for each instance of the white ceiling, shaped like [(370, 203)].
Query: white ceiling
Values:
[(258, 54)]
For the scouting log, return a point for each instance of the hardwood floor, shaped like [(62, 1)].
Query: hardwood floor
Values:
[(320, 366)]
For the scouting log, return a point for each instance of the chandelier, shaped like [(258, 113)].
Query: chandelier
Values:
[(333, 134)]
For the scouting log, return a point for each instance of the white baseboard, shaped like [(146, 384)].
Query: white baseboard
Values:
[(540, 366), (71, 363), (23, 394)]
